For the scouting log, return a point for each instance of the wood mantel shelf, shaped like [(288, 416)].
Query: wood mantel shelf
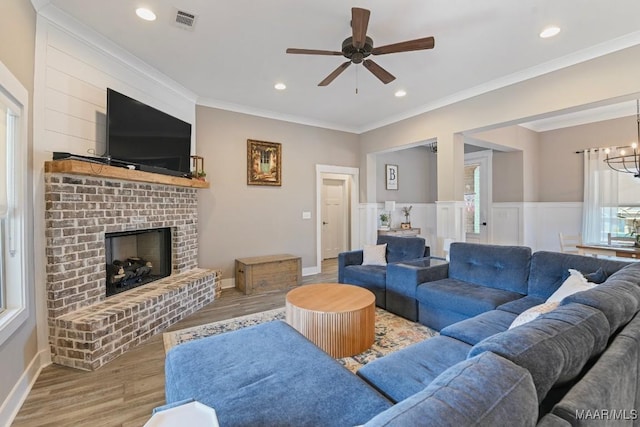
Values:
[(78, 167)]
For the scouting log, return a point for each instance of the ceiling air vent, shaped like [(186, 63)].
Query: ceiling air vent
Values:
[(185, 20)]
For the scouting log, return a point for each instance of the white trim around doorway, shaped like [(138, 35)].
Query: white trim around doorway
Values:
[(354, 191)]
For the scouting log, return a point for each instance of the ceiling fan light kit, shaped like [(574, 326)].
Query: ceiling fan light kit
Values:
[(359, 47)]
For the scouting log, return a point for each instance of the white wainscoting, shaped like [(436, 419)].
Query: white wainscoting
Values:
[(507, 226), (423, 216), (533, 224), (544, 221)]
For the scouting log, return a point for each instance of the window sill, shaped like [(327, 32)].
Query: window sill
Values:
[(10, 320)]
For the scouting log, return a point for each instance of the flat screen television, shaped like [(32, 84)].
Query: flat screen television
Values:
[(146, 137)]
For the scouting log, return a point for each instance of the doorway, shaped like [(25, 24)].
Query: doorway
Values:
[(336, 203), (477, 195), (335, 215)]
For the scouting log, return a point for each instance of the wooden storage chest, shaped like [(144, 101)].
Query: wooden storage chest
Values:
[(266, 273)]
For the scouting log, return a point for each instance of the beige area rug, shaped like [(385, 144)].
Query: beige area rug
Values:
[(392, 334)]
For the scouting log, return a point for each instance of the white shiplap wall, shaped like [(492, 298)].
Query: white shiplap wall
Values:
[(75, 74)]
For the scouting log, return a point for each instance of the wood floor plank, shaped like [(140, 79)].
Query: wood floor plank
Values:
[(124, 392)]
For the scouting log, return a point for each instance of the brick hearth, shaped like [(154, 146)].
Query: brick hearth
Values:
[(87, 329)]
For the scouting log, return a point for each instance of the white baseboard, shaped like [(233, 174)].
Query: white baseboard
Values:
[(228, 283), (21, 389), (308, 271)]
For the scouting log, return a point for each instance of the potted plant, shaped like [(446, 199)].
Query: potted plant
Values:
[(384, 220), (407, 223)]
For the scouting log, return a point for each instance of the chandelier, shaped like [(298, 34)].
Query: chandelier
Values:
[(623, 161)]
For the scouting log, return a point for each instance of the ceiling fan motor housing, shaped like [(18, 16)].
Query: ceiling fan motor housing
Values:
[(356, 55)]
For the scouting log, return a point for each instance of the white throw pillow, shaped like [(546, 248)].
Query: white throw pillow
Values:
[(533, 313), (374, 255), (574, 283)]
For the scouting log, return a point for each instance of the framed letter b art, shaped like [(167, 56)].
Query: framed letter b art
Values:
[(391, 171), (264, 163)]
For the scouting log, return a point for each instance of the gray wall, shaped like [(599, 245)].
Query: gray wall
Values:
[(417, 176), (237, 220), (17, 53), (508, 183), (561, 169)]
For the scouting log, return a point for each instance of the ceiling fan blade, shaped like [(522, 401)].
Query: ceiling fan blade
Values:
[(359, 24), (334, 74), (313, 52), (418, 44), (384, 76)]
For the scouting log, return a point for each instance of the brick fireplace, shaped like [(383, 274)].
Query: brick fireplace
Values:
[(87, 328)]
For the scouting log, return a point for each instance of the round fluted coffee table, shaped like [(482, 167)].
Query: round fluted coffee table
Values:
[(340, 319)]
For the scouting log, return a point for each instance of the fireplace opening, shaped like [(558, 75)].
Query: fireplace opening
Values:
[(135, 258)]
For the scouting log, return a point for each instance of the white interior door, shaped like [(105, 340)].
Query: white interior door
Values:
[(334, 217), (477, 195)]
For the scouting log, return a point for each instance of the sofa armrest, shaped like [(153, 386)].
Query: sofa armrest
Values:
[(403, 280), (348, 258)]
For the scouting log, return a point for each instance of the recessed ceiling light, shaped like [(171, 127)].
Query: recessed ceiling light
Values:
[(549, 31), (400, 93), (280, 86), (145, 14)]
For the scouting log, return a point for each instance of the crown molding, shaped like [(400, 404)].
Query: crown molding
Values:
[(77, 29), (39, 4), (237, 108), (620, 43), (83, 33)]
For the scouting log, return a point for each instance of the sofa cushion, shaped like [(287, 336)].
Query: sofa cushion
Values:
[(617, 370), (549, 268), (374, 254), (374, 276), (521, 304), (462, 297), (479, 327), (554, 347), (618, 298), (494, 266), (403, 248), (269, 374), (403, 373), (486, 390)]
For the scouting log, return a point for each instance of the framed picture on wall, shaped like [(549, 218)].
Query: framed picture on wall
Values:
[(391, 172), (264, 163)]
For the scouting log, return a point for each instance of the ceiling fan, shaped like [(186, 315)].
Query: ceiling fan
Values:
[(358, 47)]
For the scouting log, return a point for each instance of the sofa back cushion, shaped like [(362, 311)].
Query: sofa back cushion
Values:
[(555, 347), (495, 266), (485, 390), (550, 269), (403, 248), (611, 383), (618, 298)]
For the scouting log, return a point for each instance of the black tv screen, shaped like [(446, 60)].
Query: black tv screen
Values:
[(141, 135)]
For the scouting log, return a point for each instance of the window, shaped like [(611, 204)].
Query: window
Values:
[(628, 213), (13, 198)]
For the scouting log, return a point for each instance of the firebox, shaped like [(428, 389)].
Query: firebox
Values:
[(135, 258)]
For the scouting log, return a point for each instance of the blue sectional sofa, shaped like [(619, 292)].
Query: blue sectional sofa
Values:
[(566, 367), (374, 277), (480, 278)]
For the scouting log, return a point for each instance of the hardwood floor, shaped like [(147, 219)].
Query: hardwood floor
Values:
[(124, 392)]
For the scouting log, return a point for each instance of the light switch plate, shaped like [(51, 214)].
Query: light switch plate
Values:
[(306, 215)]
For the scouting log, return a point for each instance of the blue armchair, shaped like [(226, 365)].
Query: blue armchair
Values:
[(373, 277)]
